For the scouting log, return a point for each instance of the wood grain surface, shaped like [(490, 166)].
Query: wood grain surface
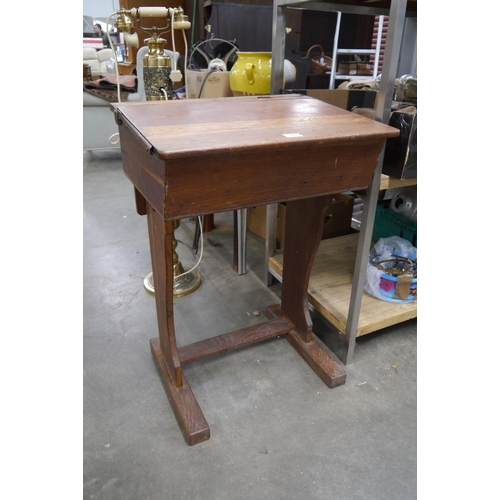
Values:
[(212, 155)]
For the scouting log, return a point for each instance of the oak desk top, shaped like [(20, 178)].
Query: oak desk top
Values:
[(213, 155)]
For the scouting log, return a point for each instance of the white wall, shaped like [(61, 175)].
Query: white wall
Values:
[(100, 8)]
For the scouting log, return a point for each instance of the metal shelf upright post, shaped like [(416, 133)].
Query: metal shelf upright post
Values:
[(336, 52), (397, 12)]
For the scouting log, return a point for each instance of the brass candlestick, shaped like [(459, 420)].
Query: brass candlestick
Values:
[(184, 282)]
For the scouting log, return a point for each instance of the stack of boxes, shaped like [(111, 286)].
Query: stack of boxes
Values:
[(354, 68)]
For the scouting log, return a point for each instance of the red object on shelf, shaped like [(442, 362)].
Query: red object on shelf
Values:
[(93, 43)]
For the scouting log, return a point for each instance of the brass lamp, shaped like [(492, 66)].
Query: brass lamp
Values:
[(185, 282)]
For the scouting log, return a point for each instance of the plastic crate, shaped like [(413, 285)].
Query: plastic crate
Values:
[(389, 223)]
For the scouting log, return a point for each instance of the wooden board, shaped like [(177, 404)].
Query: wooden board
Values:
[(331, 284), (387, 182)]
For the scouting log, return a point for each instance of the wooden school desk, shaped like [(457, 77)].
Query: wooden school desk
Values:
[(196, 157)]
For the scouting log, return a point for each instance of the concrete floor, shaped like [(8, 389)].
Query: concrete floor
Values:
[(277, 432)]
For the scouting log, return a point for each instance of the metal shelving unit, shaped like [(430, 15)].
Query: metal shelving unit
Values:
[(397, 10)]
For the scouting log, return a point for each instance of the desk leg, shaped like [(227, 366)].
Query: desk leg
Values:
[(164, 348), (303, 232)]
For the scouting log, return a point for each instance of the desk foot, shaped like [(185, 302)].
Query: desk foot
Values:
[(187, 411), (315, 356)]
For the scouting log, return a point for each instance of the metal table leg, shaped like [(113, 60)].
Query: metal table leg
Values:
[(242, 240)]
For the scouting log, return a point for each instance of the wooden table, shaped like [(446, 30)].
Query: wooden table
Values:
[(203, 156)]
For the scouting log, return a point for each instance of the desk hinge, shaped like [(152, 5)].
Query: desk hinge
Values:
[(118, 116)]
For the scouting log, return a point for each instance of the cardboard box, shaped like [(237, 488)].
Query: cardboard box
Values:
[(347, 68), (400, 157), (337, 219), (364, 69), (338, 216), (256, 220), (363, 66), (345, 98), (215, 84)]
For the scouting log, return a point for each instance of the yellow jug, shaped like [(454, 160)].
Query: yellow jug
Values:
[(251, 74)]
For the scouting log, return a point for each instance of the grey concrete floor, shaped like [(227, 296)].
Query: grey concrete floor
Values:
[(277, 432)]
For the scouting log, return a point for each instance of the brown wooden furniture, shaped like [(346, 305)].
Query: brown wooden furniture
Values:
[(87, 73), (203, 156), (126, 68)]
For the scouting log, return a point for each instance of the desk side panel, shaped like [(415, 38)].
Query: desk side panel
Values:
[(144, 170), (230, 180)]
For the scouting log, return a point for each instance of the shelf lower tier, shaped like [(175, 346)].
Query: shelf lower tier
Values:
[(387, 182), (331, 283)]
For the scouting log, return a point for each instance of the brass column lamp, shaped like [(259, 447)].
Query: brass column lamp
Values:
[(185, 282)]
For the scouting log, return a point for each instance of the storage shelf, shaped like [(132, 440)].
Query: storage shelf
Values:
[(347, 268), (387, 182), (330, 288), (356, 51), (353, 77)]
